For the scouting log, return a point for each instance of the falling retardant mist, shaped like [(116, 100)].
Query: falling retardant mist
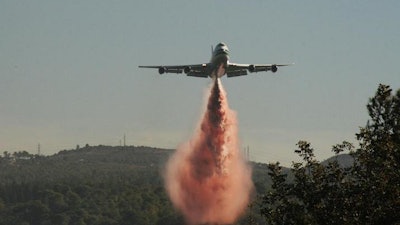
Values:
[(207, 178)]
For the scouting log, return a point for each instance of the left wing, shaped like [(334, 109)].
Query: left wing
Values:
[(236, 69), (195, 70)]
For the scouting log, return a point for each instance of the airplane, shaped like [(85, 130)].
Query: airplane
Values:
[(218, 66)]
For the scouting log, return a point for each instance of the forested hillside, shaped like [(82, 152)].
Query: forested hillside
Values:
[(92, 185)]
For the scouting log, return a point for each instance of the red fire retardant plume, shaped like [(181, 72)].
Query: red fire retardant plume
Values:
[(207, 178)]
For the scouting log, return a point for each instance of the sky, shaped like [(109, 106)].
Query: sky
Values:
[(69, 71)]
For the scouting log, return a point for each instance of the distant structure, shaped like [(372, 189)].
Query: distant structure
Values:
[(124, 140), (38, 149)]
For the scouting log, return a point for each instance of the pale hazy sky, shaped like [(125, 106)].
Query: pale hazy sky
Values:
[(69, 76)]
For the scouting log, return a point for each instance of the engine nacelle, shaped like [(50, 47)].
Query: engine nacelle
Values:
[(236, 73), (187, 69), (274, 68), (196, 74), (252, 68), (161, 70)]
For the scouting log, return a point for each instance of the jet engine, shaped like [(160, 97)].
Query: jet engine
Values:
[(274, 68), (252, 68), (187, 69), (161, 70)]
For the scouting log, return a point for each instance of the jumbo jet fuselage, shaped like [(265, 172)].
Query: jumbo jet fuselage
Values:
[(219, 60)]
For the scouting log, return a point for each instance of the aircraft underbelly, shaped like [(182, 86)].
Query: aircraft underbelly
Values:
[(220, 62)]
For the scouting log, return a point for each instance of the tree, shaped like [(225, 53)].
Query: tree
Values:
[(378, 160), (368, 192), (6, 155), (33, 212)]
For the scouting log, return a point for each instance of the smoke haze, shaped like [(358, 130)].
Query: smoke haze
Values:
[(207, 178)]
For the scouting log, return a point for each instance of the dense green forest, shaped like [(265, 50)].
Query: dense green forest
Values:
[(123, 185), (92, 185)]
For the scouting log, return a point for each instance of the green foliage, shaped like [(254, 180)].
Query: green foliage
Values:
[(92, 185), (379, 160), (367, 192)]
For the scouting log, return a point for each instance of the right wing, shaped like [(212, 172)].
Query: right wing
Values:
[(194, 70)]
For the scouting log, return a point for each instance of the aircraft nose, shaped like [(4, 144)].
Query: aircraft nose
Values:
[(221, 44)]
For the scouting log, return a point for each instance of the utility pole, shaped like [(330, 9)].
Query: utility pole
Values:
[(38, 149), (124, 140)]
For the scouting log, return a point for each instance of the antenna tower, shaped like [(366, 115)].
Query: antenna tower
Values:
[(124, 140)]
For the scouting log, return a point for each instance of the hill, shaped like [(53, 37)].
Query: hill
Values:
[(97, 161), (90, 185), (344, 160), (80, 164), (93, 184)]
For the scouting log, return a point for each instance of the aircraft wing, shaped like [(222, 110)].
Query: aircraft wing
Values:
[(194, 70), (237, 69)]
